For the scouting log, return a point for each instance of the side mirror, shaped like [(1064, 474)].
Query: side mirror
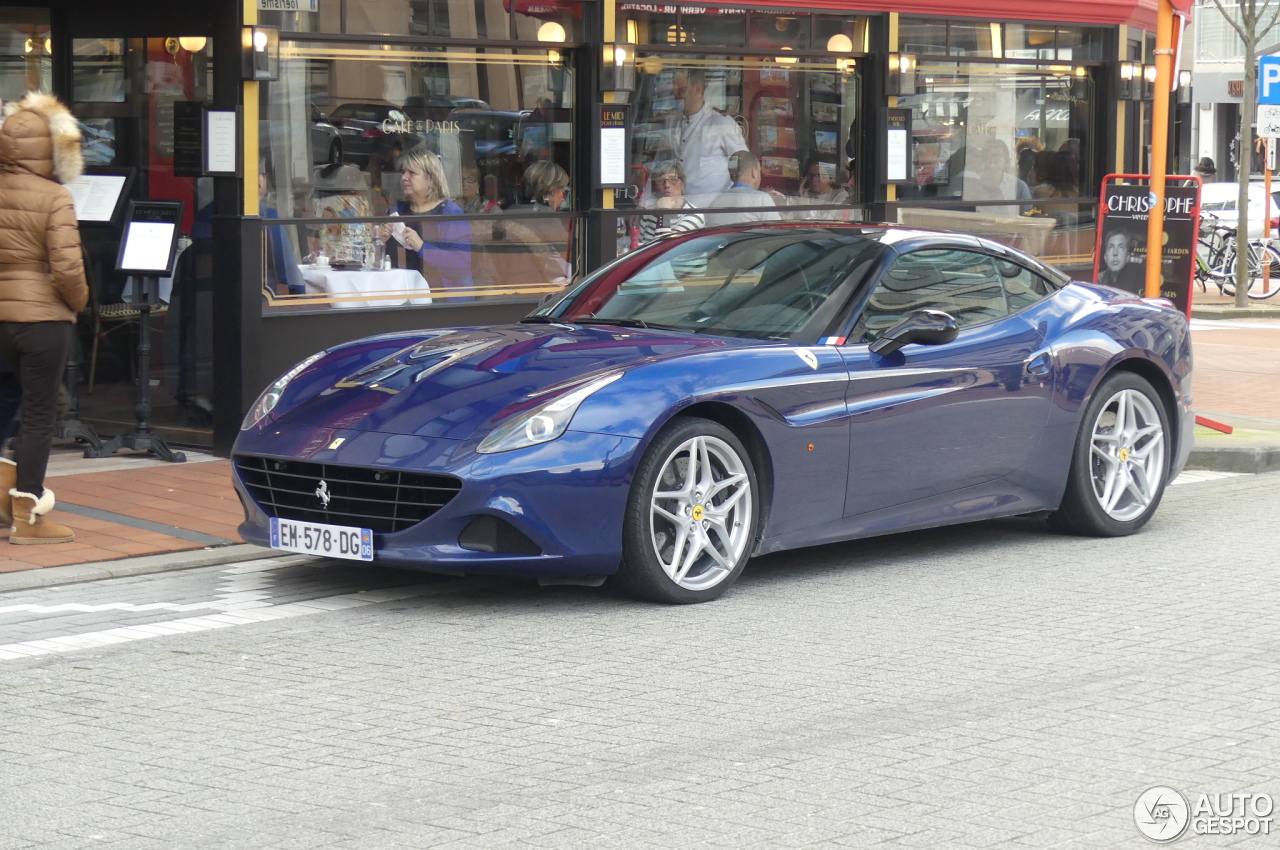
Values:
[(922, 327)]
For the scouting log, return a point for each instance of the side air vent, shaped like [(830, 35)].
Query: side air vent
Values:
[(491, 534)]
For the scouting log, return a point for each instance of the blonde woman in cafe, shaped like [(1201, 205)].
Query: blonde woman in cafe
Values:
[(440, 250)]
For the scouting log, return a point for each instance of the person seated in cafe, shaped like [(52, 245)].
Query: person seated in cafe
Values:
[(1058, 180), (745, 192), (537, 248), (283, 274), (821, 184), (469, 196), (671, 212), (440, 250), (988, 178), (483, 233)]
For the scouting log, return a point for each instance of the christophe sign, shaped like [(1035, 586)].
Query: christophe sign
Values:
[(1120, 258)]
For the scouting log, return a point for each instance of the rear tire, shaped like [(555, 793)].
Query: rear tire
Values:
[(1121, 462), (691, 518)]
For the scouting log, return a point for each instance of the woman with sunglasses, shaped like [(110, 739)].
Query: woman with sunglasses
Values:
[(667, 179)]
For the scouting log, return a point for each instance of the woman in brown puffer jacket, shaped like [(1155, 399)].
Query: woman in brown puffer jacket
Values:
[(42, 287)]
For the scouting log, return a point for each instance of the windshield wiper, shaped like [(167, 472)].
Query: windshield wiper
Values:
[(542, 320), (622, 323)]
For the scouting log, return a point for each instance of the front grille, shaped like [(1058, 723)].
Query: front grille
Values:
[(384, 500)]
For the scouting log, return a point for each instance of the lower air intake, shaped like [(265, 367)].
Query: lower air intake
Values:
[(490, 534)]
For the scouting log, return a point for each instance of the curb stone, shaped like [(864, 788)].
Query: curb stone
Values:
[(144, 565), (1249, 459)]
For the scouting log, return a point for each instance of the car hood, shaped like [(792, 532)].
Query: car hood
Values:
[(449, 384)]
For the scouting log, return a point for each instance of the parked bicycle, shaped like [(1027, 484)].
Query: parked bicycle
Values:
[(1216, 261)]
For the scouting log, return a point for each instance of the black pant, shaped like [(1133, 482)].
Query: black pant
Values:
[(37, 352)]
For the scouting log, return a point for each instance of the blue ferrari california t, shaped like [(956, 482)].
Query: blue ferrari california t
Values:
[(724, 394)]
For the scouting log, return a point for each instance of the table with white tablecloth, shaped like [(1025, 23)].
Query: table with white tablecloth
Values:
[(383, 287)]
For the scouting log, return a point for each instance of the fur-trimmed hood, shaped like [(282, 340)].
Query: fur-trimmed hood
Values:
[(41, 136)]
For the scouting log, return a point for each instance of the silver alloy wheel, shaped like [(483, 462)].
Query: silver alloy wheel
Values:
[(700, 513), (1127, 454)]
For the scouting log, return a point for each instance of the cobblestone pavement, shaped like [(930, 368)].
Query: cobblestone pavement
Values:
[(992, 685)]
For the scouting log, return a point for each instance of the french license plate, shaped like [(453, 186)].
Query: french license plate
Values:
[(314, 538)]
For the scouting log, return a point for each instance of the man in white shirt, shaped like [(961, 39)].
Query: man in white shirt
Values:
[(704, 137), (745, 192)]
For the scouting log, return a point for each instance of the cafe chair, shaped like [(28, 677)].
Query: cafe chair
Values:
[(111, 318)]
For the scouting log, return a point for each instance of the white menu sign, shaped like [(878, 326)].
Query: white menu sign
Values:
[(147, 246), (96, 196), (220, 142)]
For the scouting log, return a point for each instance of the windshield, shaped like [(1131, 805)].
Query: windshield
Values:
[(757, 284)]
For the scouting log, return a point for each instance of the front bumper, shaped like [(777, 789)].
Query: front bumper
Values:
[(568, 496)]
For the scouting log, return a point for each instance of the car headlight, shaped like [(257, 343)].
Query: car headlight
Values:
[(543, 423), (271, 395)]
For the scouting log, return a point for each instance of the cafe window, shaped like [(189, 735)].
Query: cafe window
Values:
[(508, 20), (1007, 149), (779, 124), (26, 61), (1000, 40), (415, 174)]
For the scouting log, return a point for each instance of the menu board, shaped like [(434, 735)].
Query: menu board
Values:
[(150, 236), (97, 197)]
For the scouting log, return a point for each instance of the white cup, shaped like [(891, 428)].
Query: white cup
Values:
[(322, 262)]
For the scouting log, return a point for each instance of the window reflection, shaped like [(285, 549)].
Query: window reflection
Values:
[(342, 121)]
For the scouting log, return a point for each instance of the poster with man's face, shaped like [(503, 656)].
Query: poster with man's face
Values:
[(1121, 256)]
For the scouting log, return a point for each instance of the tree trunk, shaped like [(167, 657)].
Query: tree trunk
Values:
[(1248, 110)]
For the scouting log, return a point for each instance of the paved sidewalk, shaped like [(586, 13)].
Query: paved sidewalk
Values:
[(125, 507), (135, 515)]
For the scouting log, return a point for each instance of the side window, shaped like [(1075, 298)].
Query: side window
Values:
[(1022, 286), (962, 283)]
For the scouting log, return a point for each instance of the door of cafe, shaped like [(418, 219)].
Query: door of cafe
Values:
[(126, 91)]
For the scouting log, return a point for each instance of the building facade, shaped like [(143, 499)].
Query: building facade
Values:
[(350, 168)]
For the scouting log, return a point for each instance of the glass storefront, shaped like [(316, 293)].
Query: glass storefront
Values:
[(26, 60), (469, 148), (743, 117), (1014, 125)]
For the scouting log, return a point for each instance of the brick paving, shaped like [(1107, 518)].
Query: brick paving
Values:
[(193, 496)]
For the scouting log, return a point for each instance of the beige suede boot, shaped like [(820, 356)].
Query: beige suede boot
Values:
[(30, 525), (8, 477)]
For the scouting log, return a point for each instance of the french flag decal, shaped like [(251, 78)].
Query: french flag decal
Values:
[(832, 340)]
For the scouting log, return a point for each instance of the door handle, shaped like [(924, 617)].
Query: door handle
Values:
[(1040, 364)]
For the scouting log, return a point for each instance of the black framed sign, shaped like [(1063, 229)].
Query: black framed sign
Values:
[(188, 138), (897, 146), (612, 146), (99, 194), (150, 238)]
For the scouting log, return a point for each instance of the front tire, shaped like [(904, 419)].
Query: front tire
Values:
[(691, 518), (1121, 462)]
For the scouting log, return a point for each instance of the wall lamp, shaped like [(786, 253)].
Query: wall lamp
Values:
[(260, 52), (618, 60), (902, 73), (618, 72), (841, 45), (1129, 81), (1184, 88), (1149, 82)]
